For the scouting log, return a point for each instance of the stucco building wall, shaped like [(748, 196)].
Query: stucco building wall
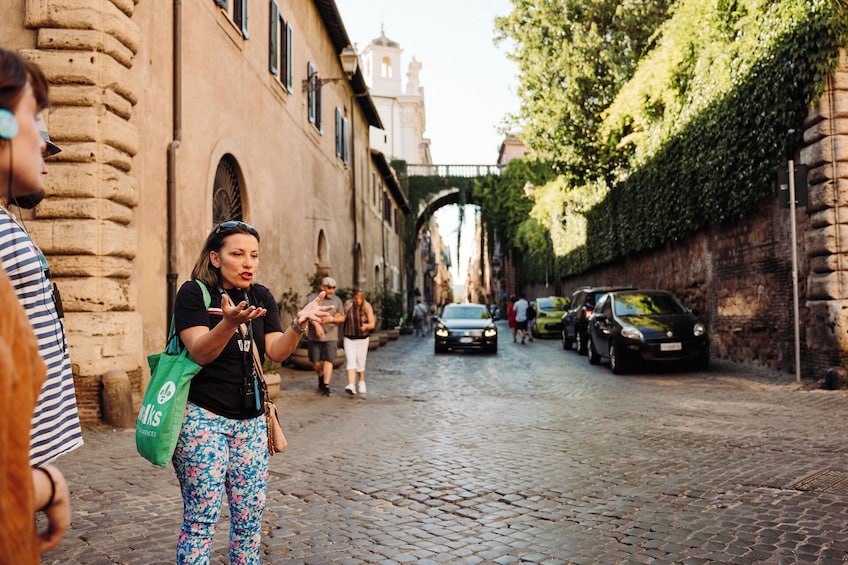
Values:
[(104, 223)]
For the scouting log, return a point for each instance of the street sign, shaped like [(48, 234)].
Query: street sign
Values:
[(801, 192)]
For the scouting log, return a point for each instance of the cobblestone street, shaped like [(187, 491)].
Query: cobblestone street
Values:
[(529, 456)]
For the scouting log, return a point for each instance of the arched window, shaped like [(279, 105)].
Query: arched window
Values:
[(227, 191), (386, 68)]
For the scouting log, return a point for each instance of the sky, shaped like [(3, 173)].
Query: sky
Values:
[(469, 84)]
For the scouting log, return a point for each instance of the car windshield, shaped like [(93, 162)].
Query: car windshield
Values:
[(554, 303), (465, 312), (647, 305)]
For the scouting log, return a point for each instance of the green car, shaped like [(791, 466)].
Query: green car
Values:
[(548, 320)]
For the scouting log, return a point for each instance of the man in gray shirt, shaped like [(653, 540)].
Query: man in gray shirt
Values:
[(324, 338)]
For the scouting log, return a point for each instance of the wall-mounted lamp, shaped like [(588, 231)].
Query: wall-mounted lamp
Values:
[(349, 61)]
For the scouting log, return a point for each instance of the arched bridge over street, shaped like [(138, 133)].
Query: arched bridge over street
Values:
[(454, 187)]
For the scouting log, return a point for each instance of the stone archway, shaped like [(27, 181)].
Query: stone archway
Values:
[(322, 260)]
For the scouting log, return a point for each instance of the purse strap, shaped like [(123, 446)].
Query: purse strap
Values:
[(259, 373)]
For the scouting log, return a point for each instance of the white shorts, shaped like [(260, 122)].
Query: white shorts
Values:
[(356, 350)]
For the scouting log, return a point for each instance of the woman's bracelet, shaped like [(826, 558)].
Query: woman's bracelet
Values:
[(49, 502), (297, 328)]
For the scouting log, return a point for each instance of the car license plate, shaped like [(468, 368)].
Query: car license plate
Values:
[(673, 346), (466, 340)]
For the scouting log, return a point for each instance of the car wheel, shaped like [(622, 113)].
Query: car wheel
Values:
[(581, 339), (616, 362), (594, 358), (703, 362), (566, 341)]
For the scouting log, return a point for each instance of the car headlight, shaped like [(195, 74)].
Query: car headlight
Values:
[(490, 332), (442, 332), (699, 329), (632, 333)]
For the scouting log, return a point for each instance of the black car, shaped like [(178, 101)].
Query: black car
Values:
[(633, 326), (466, 326), (574, 321)]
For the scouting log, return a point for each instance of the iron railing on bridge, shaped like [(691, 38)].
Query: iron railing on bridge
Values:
[(418, 170)]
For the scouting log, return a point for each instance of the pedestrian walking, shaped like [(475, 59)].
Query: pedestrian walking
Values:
[(23, 96), (419, 318), (510, 316), (531, 319), (323, 341), (24, 488), (521, 305), (223, 445), (359, 321)]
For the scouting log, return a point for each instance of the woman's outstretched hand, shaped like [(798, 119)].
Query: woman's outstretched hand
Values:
[(314, 312), (239, 313)]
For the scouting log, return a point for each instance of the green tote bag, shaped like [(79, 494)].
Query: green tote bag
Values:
[(163, 408)]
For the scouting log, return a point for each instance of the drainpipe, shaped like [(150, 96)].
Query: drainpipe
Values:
[(171, 205), (353, 189)]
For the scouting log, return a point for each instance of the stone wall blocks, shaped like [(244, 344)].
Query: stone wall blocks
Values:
[(95, 124), (89, 180), (83, 237), (87, 68), (63, 266), (103, 341), (85, 40), (820, 153), (822, 218), (96, 294), (112, 17), (63, 95), (825, 264), (85, 209), (827, 216), (826, 240), (827, 286)]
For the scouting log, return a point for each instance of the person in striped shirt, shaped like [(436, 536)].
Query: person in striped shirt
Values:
[(55, 425), (25, 487)]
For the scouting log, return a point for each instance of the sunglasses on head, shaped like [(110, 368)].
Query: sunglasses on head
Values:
[(234, 224)]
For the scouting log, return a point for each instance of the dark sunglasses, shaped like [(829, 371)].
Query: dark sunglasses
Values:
[(331, 287), (235, 224)]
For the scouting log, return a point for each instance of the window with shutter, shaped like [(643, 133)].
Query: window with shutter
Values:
[(286, 54), (274, 39), (237, 12)]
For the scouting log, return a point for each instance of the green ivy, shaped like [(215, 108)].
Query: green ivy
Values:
[(701, 128)]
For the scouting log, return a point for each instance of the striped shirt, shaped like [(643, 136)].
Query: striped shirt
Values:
[(55, 425)]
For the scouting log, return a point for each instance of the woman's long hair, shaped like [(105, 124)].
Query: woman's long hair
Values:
[(204, 270)]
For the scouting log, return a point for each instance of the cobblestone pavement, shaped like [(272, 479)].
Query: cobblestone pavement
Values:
[(530, 456)]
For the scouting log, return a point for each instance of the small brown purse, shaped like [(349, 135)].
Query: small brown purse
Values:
[(276, 438)]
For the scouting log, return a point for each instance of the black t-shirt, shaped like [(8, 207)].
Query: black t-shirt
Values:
[(218, 385)]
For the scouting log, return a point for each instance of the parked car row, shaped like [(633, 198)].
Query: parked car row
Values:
[(632, 326)]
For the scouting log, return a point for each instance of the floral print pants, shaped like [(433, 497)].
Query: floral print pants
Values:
[(214, 455)]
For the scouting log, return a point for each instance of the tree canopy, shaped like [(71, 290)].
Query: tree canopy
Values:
[(667, 115)]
